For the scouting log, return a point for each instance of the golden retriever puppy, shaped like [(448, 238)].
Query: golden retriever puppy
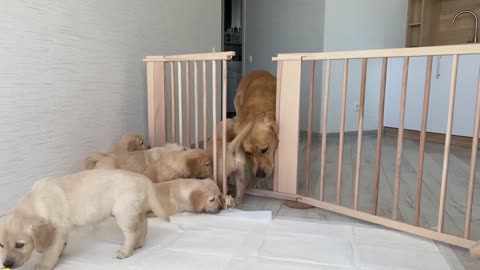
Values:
[(475, 250), (194, 163), (235, 161), (136, 161), (190, 195), (42, 220), (130, 142), (255, 102)]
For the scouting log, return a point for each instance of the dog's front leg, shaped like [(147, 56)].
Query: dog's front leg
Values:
[(51, 255), (241, 183)]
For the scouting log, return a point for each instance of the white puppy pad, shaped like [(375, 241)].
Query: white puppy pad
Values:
[(242, 240)]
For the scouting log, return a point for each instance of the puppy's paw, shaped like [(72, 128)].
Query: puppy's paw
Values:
[(120, 254), (228, 202), (238, 201)]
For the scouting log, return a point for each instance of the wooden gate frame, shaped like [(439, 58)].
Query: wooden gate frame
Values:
[(289, 68)]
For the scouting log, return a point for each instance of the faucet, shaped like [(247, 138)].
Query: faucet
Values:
[(475, 36)]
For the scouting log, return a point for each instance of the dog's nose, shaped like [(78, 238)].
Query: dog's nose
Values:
[(260, 174), (8, 263)]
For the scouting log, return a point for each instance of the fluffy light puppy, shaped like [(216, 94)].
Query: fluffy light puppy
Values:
[(193, 163), (190, 195), (43, 219), (130, 142), (137, 161), (235, 160)]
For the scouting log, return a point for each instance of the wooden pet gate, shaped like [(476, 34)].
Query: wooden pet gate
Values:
[(172, 118)]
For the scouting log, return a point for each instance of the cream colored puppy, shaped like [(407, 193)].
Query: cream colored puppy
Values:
[(190, 195), (235, 159), (193, 163), (43, 219), (475, 250), (136, 161), (130, 142)]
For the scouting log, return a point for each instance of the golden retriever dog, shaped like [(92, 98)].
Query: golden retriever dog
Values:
[(190, 195), (136, 161), (255, 102), (235, 160), (193, 163), (43, 219), (130, 142)]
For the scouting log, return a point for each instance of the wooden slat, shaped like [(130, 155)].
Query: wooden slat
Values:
[(309, 128), (361, 113), (205, 123), (423, 232), (174, 111), (277, 119), (180, 103), (160, 106), (156, 104), (195, 79), (446, 155), (288, 131), (224, 126), (473, 164), (151, 103), (399, 52), (381, 114), (190, 57), (187, 97), (214, 118), (342, 132), (423, 135), (272, 194), (324, 128), (398, 163)]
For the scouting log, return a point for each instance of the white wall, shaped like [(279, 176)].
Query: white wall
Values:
[(284, 26), (360, 25), (72, 78)]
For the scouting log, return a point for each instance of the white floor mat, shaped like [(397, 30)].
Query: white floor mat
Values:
[(238, 240)]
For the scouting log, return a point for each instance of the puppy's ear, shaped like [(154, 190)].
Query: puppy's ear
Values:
[(193, 164), (197, 199), (42, 235), (132, 146)]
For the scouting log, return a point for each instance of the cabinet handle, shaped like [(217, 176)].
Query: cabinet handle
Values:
[(437, 75)]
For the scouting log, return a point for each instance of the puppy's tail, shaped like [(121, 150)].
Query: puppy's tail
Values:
[(155, 205), (91, 161), (237, 142)]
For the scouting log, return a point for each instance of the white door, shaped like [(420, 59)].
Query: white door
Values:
[(439, 93), (466, 93), (465, 96), (415, 92)]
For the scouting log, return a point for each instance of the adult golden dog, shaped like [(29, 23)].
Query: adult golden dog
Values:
[(255, 102)]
